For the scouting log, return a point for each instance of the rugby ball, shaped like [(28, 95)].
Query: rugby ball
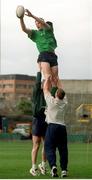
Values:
[(20, 11)]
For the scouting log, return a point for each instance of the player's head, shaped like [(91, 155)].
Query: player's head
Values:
[(38, 24), (50, 24), (60, 93)]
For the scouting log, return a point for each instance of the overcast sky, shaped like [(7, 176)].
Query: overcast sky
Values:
[(72, 21)]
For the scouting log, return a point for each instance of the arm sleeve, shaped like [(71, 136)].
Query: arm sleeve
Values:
[(37, 87), (38, 78), (32, 35)]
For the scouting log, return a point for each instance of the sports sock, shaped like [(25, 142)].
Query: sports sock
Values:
[(34, 166)]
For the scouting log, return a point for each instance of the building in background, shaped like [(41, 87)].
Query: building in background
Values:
[(13, 87)]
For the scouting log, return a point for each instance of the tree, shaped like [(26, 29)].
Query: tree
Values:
[(25, 106)]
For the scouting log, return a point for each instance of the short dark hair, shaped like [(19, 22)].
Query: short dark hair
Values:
[(60, 93), (50, 23)]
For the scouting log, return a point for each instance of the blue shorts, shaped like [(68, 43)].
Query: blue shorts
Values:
[(49, 57), (39, 127)]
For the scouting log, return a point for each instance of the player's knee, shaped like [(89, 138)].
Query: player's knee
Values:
[(36, 148), (36, 145)]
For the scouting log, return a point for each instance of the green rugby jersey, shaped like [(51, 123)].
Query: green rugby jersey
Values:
[(44, 39), (38, 96)]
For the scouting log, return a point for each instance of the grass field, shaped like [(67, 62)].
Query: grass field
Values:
[(15, 160)]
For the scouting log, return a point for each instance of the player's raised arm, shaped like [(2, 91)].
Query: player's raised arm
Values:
[(40, 20), (23, 26), (20, 12)]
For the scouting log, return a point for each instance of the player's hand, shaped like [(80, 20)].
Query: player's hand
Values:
[(28, 13)]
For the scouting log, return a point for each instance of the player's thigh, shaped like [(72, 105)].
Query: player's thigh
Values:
[(55, 77), (54, 71), (45, 68)]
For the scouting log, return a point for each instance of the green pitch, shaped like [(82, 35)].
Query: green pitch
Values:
[(15, 160)]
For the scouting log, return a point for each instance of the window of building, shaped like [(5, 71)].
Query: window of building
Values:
[(21, 86), (6, 85)]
